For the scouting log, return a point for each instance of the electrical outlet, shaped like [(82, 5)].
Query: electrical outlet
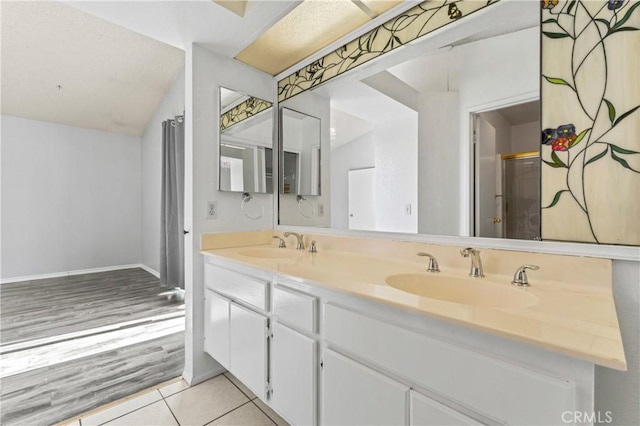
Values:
[(407, 209), (212, 209), (320, 209)]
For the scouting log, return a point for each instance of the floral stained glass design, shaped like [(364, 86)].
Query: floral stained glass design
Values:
[(408, 26), (591, 120), (246, 109)]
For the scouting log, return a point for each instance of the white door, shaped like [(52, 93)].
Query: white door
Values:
[(248, 353), (216, 327), (425, 411), (362, 199), (293, 375), (353, 394), (486, 200)]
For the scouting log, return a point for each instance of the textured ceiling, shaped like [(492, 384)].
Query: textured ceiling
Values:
[(62, 65)]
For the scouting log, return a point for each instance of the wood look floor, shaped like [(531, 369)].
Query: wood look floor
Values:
[(69, 306), (54, 306)]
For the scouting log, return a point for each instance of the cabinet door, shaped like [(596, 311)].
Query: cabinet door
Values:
[(216, 327), (353, 394), (426, 411), (293, 375), (248, 353)]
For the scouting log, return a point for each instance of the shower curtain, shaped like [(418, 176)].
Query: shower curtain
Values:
[(172, 204)]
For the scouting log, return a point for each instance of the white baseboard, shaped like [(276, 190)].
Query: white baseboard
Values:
[(149, 270), (78, 272), (204, 376)]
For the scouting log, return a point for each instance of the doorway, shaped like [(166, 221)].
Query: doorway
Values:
[(362, 199), (507, 172)]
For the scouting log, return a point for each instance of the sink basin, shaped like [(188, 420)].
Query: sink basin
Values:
[(468, 291), (270, 253)]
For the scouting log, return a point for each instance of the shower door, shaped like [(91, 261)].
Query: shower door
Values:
[(521, 195)]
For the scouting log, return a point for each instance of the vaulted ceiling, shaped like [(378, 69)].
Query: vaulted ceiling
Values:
[(107, 65)]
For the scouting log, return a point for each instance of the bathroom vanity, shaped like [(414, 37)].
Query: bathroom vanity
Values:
[(330, 338)]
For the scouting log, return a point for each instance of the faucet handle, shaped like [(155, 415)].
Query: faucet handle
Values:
[(520, 277), (433, 263), (281, 243), (469, 250), (312, 247)]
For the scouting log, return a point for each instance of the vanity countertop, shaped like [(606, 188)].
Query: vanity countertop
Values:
[(574, 319)]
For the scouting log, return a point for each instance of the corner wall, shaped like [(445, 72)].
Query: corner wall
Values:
[(205, 72), (70, 198)]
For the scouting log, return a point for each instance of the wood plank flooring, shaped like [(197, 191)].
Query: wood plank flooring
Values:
[(55, 393), (53, 306), (72, 314)]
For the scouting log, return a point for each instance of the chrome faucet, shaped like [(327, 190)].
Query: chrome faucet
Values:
[(281, 243), (476, 262), (432, 266), (300, 245), (520, 277)]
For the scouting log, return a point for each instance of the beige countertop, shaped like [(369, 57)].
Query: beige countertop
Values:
[(577, 319)]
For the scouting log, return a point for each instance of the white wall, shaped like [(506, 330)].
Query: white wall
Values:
[(503, 131), (525, 137), (357, 154), (491, 71), (205, 72), (70, 198), (396, 159), (439, 159), (619, 391), (172, 105)]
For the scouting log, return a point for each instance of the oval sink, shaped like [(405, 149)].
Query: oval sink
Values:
[(468, 291), (270, 253)]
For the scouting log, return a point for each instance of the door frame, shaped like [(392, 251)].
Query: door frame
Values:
[(469, 157)]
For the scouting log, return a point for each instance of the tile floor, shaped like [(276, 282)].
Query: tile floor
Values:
[(222, 400)]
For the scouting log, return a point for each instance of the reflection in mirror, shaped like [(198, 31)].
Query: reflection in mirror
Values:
[(402, 154), (246, 143), (300, 135)]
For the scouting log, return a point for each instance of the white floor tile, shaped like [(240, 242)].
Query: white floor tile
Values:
[(245, 390), (156, 414), (272, 414), (205, 402), (121, 409), (246, 415), (173, 388)]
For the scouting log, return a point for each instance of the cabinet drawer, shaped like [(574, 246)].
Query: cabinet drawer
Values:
[(353, 394), (498, 389), (295, 309), (425, 411), (236, 286)]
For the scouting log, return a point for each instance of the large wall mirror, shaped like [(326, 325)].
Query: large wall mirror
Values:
[(246, 143), (439, 137), (300, 153)]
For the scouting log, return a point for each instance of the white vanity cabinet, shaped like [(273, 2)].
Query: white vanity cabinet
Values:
[(353, 394), (236, 324), (248, 348), (217, 326), (427, 412), (294, 356), (317, 356)]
